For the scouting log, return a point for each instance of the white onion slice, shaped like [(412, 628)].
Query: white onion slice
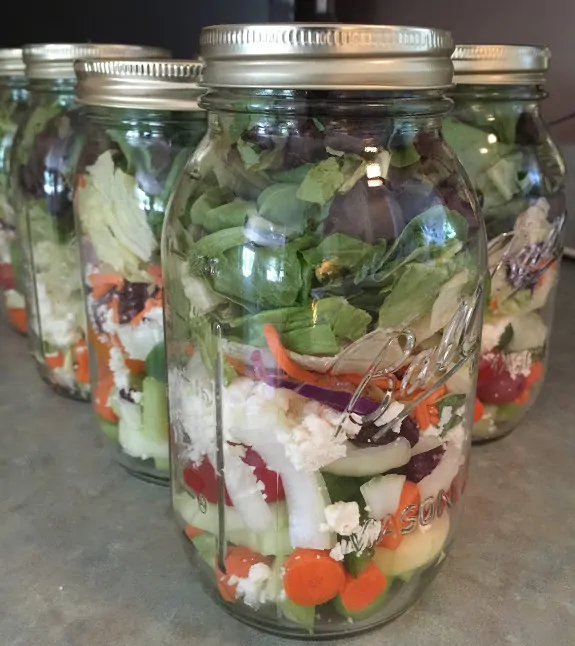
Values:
[(442, 476), (382, 494)]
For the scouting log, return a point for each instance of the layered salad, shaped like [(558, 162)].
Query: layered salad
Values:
[(12, 111), (120, 200), (323, 307), (519, 177), (45, 157)]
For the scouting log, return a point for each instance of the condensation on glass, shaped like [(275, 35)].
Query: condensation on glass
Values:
[(144, 124), (518, 173), (44, 156), (323, 266)]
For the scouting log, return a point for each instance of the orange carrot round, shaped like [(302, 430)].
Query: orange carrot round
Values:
[(523, 397), (536, 373), (54, 360), (409, 497), (192, 532), (360, 592), (240, 559), (312, 577), (82, 369), (101, 396), (135, 366), (17, 319), (478, 410)]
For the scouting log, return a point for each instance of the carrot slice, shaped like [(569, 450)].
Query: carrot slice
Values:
[(360, 592), (227, 591), (105, 385), (192, 532), (312, 577), (103, 283), (296, 371), (240, 559), (523, 397), (409, 496), (422, 417), (536, 373), (135, 366), (150, 304), (478, 411), (54, 360), (17, 319), (82, 369)]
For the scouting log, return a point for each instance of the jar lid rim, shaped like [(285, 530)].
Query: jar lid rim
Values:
[(500, 64), (336, 55)]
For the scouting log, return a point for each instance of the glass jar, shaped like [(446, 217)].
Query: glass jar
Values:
[(44, 158), (145, 123), (518, 173), (13, 106), (323, 266)]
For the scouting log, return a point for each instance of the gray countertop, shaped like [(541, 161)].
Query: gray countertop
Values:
[(89, 555)]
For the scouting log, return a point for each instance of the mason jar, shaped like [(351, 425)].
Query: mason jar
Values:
[(323, 268), (13, 106), (498, 132), (145, 122), (43, 162)]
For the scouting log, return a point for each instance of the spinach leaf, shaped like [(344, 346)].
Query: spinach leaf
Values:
[(454, 403)]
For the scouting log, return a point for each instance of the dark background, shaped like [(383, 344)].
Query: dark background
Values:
[(176, 24)]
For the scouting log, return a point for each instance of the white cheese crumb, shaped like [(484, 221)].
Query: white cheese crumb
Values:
[(256, 588), (390, 413), (363, 536), (519, 363), (491, 333), (342, 518), (119, 369)]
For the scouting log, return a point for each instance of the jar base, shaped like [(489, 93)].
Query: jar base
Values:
[(404, 601), (44, 373), (139, 469)]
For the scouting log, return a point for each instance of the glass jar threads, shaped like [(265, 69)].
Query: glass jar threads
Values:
[(45, 152), (145, 122), (323, 268), (517, 170)]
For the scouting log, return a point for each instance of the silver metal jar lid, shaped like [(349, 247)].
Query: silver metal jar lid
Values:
[(326, 56), (56, 60), (500, 64), (140, 84), (11, 62)]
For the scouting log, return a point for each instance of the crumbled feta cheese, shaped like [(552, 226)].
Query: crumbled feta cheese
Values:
[(342, 518), (359, 540), (59, 324), (492, 331), (139, 340), (391, 413), (257, 588), (518, 363), (119, 369)]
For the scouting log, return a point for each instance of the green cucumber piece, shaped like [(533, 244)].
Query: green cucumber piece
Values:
[(162, 464), (156, 362), (110, 429), (205, 543), (302, 615), (357, 562), (507, 412), (358, 615), (154, 410)]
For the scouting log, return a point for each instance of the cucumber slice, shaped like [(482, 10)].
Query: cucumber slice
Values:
[(162, 464), (110, 429), (154, 410), (357, 562), (156, 362), (507, 412), (205, 516), (415, 550), (206, 545), (302, 615), (529, 331), (373, 460)]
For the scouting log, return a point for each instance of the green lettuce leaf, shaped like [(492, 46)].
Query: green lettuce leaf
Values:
[(111, 215), (320, 328)]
